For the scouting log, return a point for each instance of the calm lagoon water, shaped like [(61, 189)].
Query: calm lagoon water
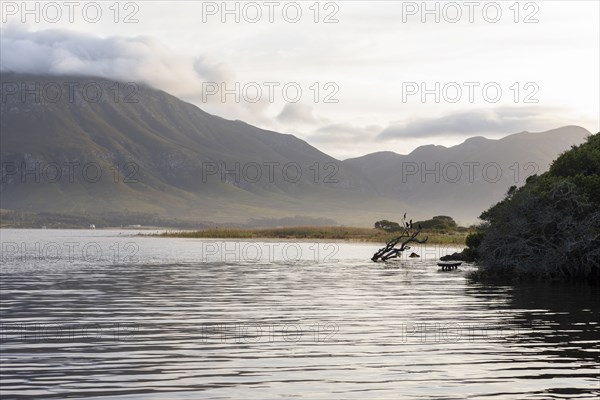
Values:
[(107, 314)]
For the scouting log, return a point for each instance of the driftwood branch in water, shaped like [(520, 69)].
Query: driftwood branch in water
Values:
[(408, 235)]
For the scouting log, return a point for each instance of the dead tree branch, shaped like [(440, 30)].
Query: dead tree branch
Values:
[(408, 235)]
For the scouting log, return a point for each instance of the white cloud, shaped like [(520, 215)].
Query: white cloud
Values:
[(491, 122), (58, 52), (345, 132), (142, 59), (297, 113)]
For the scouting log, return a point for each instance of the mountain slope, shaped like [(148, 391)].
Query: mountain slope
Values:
[(161, 155), (463, 179)]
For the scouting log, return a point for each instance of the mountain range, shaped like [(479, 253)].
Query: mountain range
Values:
[(106, 147)]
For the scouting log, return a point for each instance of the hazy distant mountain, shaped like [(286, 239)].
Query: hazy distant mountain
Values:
[(466, 179), (170, 157), (160, 155)]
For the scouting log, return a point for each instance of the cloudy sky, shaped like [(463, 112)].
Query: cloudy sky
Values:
[(350, 77)]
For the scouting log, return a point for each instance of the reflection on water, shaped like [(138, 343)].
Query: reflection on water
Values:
[(176, 320)]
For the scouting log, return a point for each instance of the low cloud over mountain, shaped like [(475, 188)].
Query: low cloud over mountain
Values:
[(140, 59), (495, 121)]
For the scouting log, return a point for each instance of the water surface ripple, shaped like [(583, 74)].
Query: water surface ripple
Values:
[(167, 321)]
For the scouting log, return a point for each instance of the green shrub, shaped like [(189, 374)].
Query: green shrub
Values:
[(388, 226), (550, 227)]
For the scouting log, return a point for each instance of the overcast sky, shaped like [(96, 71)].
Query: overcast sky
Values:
[(366, 68)]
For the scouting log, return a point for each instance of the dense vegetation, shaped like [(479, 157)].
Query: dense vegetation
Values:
[(550, 227), (388, 226), (441, 223)]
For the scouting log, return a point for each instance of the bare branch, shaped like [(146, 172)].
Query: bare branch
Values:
[(408, 235)]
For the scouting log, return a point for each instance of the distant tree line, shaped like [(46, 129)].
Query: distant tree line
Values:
[(437, 223)]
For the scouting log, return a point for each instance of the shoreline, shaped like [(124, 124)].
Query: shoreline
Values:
[(342, 234), (302, 233)]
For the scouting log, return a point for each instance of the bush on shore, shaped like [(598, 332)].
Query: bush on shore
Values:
[(550, 227)]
